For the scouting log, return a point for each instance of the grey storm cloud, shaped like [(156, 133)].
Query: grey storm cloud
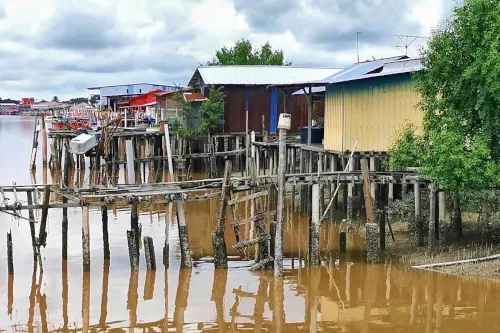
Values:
[(82, 31), (332, 24)]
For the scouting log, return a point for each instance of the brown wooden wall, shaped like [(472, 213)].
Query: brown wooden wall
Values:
[(260, 105)]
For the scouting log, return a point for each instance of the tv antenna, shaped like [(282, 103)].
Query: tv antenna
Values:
[(359, 34), (407, 40)]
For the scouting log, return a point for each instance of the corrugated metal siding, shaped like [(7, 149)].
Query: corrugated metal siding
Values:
[(374, 111)]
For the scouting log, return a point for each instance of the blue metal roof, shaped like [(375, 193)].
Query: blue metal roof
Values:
[(357, 70)]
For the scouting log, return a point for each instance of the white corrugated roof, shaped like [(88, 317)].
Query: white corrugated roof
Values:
[(258, 75)]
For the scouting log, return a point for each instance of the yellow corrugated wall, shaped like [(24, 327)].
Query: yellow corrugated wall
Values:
[(372, 111)]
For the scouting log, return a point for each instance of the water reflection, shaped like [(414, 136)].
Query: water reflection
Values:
[(344, 295)]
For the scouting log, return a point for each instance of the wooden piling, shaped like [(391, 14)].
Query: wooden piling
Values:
[(278, 250), (418, 217), (166, 244), (372, 229), (31, 216), (133, 250), (343, 242), (432, 217), (149, 253), (105, 234), (85, 239), (186, 261), (442, 217), (218, 240), (42, 233), (314, 258), (10, 258)]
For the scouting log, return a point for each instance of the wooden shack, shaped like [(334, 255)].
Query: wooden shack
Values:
[(250, 104), (370, 102)]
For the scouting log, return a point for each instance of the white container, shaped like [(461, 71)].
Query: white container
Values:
[(82, 144), (285, 121)]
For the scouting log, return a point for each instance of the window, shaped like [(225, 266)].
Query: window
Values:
[(127, 91), (140, 90)]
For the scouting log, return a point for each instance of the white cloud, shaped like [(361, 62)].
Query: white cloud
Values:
[(61, 47)]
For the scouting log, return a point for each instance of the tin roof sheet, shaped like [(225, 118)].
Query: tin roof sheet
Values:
[(376, 68), (258, 75)]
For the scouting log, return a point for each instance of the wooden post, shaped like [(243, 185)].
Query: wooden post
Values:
[(129, 147), (35, 144), (315, 226), (372, 229), (133, 250), (85, 239), (42, 233), (350, 188), (442, 216), (31, 216), (218, 241), (186, 260), (149, 254), (418, 218), (432, 216), (105, 234), (343, 242), (278, 243), (44, 141), (10, 258), (390, 201)]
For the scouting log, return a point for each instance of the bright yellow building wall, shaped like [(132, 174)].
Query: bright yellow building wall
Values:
[(372, 111)]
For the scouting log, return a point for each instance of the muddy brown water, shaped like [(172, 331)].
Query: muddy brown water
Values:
[(341, 296)]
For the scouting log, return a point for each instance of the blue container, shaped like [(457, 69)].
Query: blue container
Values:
[(317, 134)]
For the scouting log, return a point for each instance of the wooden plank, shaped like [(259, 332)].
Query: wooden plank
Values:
[(247, 197), (253, 218)]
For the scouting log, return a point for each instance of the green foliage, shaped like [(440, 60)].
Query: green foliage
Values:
[(407, 150), (55, 99), (8, 100), (460, 144), (211, 113), (243, 53), (78, 100)]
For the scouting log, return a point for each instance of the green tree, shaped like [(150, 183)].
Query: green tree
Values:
[(243, 53), (55, 99), (78, 100), (460, 93)]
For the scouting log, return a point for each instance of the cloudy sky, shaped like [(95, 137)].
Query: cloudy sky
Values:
[(61, 47)]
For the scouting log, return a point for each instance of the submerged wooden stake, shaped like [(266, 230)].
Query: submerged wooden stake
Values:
[(149, 253), (186, 260), (133, 253), (218, 241), (31, 216), (105, 234), (42, 235)]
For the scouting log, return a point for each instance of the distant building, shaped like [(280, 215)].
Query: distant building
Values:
[(8, 108), (247, 95), (370, 102), (26, 102), (113, 96)]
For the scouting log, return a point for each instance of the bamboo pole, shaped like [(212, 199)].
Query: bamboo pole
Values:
[(85, 239)]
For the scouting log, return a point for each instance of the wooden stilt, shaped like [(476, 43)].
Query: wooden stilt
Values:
[(31, 216), (186, 260), (85, 239), (432, 217), (105, 234), (314, 257), (149, 253), (218, 241), (278, 250)]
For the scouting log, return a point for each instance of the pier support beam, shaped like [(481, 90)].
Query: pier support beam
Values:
[(314, 227), (442, 216), (186, 260), (218, 241), (85, 239), (372, 229), (278, 243), (432, 217), (418, 217)]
